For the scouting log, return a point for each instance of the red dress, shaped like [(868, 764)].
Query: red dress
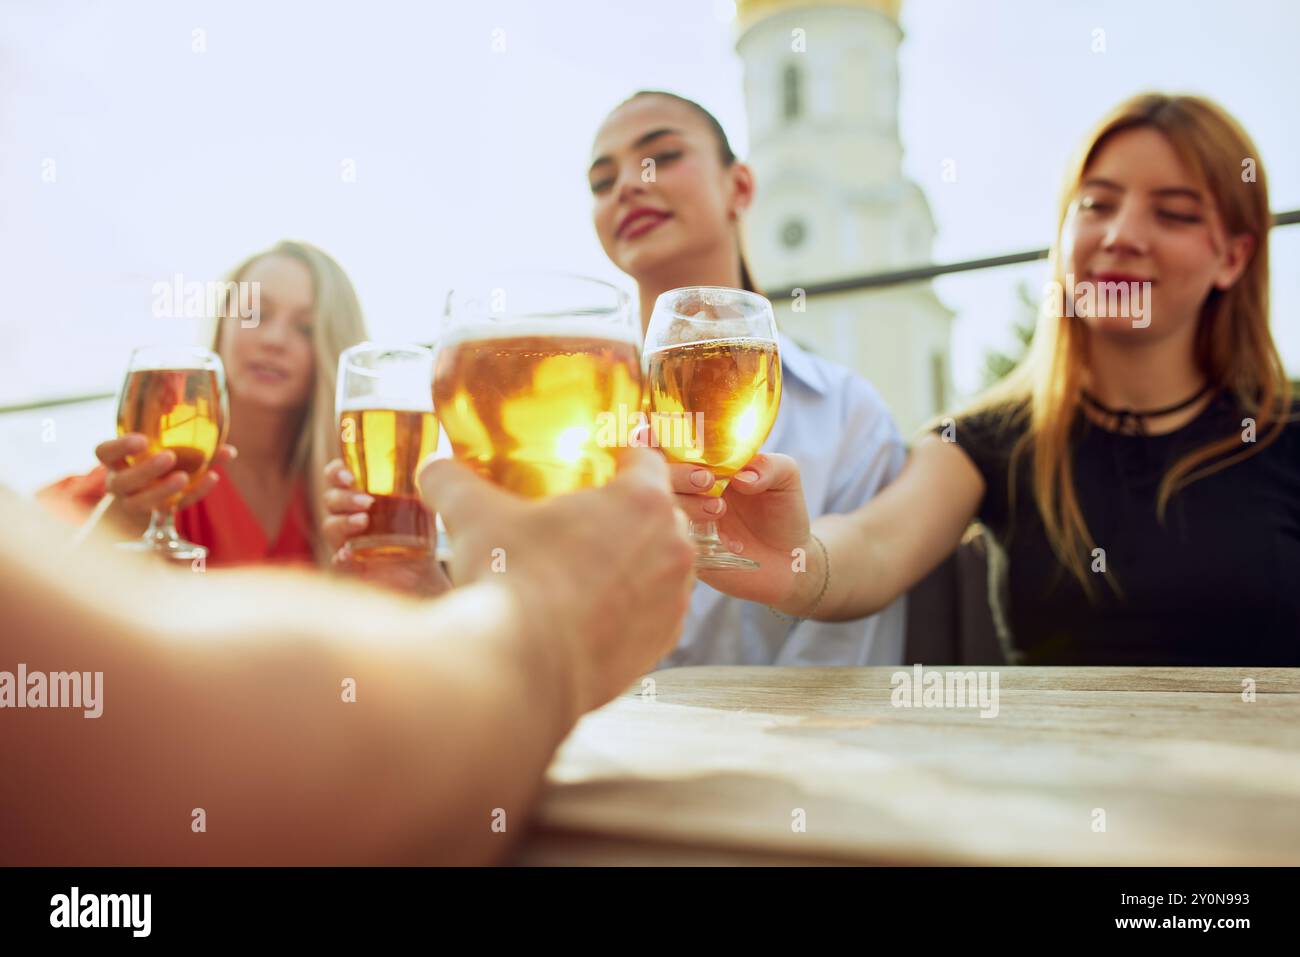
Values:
[(221, 520)]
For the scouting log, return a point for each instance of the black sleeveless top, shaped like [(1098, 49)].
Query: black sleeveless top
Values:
[(1218, 583)]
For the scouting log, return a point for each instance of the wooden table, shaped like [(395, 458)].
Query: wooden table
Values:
[(1129, 766)]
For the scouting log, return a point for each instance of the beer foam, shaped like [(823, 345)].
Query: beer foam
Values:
[(745, 341), (566, 327), (380, 403)]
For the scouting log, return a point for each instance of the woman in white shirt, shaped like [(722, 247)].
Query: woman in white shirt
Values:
[(681, 226)]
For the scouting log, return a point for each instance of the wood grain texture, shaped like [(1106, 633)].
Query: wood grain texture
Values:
[(715, 766)]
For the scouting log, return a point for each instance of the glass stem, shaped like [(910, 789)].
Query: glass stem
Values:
[(706, 533), (162, 528)]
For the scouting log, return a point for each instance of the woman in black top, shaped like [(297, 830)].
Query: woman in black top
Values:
[(1218, 582), (1139, 470)]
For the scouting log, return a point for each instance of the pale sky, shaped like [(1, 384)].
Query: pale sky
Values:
[(168, 159)]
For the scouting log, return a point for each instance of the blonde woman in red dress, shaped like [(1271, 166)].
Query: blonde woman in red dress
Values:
[(260, 500)]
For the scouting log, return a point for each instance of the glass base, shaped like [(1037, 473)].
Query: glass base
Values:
[(161, 539), (378, 548), (169, 549), (713, 555)]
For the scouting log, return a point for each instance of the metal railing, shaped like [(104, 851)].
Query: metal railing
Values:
[(877, 280), (900, 277)]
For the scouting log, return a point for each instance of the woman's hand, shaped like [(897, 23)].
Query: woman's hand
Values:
[(345, 507), (761, 515), (347, 517), (151, 483), (603, 574)]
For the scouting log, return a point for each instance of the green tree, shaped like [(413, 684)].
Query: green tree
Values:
[(997, 364)]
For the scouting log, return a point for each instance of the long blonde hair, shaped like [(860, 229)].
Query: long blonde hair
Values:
[(1233, 347), (338, 324)]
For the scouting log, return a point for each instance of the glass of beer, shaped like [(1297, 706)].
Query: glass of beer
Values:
[(537, 380), (713, 374), (386, 429), (175, 397)]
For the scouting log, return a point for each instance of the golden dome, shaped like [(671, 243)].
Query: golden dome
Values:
[(748, 12)]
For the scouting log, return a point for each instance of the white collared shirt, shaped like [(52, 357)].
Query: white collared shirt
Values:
[(835, 425)]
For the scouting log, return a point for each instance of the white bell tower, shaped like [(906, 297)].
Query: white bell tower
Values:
[(821, 91)]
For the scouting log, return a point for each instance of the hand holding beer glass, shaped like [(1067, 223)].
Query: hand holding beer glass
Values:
[(176, 398), (530, 372), (386, 429), (713, 371)]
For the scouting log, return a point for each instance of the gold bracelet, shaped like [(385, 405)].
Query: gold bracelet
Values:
[(826, 583)]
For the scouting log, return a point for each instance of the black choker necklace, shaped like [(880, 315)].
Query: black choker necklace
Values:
[(1134, 422)]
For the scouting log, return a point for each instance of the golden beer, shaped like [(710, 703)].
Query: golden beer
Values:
[(523, 405), (177, 409), (383, 448), (725, 391)]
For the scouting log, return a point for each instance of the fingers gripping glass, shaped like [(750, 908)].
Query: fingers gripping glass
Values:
[(386, 429), (713, 373), (176, 398)]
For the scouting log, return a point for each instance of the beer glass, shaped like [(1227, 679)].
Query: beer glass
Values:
[(537, 380), (713, 374), (386, 429), (176, 397)]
